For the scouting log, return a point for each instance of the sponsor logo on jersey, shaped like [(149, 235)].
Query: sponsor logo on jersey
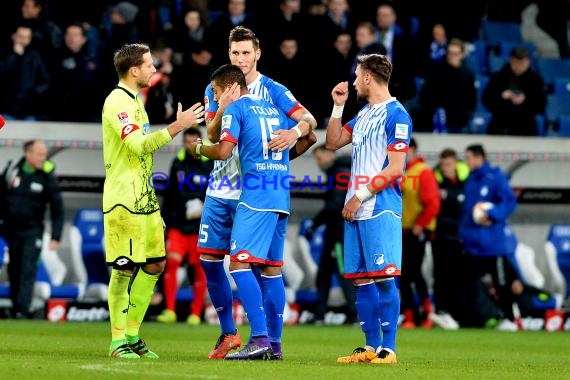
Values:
[(123, 118), (290, 96), (226, 121), (401, 131), (206, 103)]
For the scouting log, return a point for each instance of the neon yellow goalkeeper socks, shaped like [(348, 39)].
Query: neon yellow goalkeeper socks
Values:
[(141, 292), (118, 300)]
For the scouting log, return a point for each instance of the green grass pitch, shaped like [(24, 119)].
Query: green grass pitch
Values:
[(44, 351)]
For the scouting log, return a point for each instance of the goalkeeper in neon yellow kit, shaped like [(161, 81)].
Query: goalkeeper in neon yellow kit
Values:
[(134, 236)]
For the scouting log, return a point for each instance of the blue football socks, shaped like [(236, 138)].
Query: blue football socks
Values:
[(389, 312), (274, 304), (220, 292), (251, 299), (367, 306)]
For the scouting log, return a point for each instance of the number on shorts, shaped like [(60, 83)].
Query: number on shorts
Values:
[(203, 233)]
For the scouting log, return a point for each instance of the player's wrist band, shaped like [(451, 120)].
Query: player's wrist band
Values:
[(298, 130), (363, 194), (198, 148), (337, 111)]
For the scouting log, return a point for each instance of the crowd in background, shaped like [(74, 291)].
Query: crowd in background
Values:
[(56, 55)]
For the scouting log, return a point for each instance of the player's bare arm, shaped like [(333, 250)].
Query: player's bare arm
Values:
[(302, 145), (219, 151), (392, 172), (214, 126), (337, 136), (186, 119), (286, 138)]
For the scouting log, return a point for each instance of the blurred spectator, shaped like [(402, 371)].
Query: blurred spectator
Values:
[(285, 20), (447, 249), (332, 255), (485, 233), (288, 68), (191, 35), (336, 19), (158, 98), (122, 30), (400, 48), (24, 77), (514, 96), (438, 45), (75, 77), (234, 15), (26, 190), (420, 207), (367, 43), (181, 211), (193, 41), (449, 86), (46, 35)]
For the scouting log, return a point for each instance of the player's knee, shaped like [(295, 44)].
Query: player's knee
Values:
[(270, 271), (361, 281), (155, 268)]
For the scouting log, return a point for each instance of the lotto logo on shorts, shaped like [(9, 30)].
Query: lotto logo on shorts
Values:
[(242, 256)]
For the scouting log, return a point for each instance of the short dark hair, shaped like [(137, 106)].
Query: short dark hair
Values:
[(227, 75), (519, 52), (448, 153), (192, 132), (241, 33), (477, 150), (29, 144), (129, 55), (378, 65), (413, 143)]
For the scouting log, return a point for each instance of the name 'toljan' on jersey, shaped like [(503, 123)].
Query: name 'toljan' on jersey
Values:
[(249, 122)]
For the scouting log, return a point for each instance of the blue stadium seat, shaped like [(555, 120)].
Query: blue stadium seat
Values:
[(476, 59), (496, 62), (562, 85), (3, 250), (479, 122), (63, 290), (481, 82), (86, 237), (541, 127), (564, 126), (557, 105), (558, 256), (494, 32), (551, 68)]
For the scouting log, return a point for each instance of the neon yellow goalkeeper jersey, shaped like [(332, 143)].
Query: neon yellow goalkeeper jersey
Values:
[(128, 148)]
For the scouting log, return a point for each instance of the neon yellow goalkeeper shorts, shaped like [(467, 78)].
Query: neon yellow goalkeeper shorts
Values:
[(133, 238)]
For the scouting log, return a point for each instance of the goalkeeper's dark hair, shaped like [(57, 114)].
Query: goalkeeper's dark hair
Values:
[(129, 55), (227, 75)]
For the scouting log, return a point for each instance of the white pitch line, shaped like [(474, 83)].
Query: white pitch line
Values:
[(107, 368)]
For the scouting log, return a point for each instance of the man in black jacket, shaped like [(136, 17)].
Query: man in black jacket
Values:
[(331, 216), (181, 211), (26, 190), (514, 96)]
